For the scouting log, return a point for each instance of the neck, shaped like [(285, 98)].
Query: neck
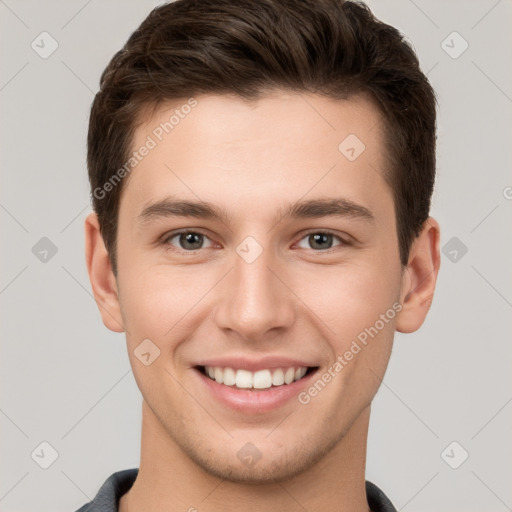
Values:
[(169, 481)]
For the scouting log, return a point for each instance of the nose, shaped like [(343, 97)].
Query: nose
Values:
[(254, 299)]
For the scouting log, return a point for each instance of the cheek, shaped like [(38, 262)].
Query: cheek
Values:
[(157, 301), (347, 299), (357, 309), (155, 306)]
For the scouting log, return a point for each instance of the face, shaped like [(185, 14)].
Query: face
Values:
[(285, 268)]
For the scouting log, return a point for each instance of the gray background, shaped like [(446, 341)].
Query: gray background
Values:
[(66, 380)]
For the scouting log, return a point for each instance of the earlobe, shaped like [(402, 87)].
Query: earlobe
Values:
[(102, 279), (419, 279)]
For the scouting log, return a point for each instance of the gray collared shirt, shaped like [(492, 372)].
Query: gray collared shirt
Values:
[(107, 499)]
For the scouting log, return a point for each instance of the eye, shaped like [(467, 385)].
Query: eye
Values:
[(188, 240), (321, 240), (194, 240)]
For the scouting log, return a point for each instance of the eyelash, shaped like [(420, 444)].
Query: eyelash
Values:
[(169, 236)]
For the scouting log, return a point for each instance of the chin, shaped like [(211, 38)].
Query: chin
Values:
[(251, 466)]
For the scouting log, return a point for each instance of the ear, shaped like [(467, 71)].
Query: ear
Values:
[(419, 278), (102, 278)]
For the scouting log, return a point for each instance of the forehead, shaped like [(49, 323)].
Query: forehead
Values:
[(280, 147), (274, 118)]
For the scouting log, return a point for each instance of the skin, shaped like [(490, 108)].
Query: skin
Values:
[(295, 299)]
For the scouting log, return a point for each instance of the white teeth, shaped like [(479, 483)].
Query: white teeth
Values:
[(243, 379), (289, 375), (219, 375), (229, 377), (261, 379), (278, 377)]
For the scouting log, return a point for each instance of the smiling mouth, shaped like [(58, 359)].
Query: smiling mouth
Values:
[(258, 380)]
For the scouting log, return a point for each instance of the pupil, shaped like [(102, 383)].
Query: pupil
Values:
[(194, 239), (319, 239)]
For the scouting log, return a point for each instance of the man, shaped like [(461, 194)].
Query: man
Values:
[(261, 174)]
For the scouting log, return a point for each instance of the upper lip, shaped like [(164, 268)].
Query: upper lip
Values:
[(263, 363)]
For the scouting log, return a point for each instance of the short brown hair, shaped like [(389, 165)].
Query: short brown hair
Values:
[(334, 48)]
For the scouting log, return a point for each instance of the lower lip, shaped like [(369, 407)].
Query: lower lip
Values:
[(258, 400)]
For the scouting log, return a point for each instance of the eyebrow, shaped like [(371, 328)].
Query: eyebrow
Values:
[(306, 209)]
